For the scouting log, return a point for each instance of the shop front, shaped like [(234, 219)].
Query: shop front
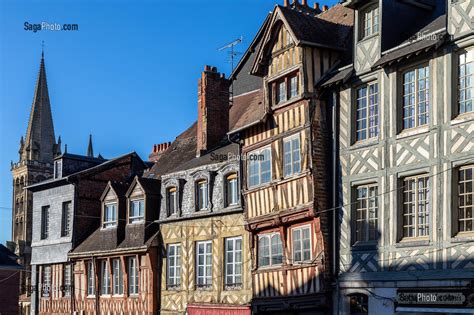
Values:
[(219, 309), (435, 301)]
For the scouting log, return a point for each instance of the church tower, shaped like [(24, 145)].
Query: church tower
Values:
[(37, 150)]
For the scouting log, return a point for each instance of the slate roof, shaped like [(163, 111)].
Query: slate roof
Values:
[(337, 76), (246, 110), (8, 259)]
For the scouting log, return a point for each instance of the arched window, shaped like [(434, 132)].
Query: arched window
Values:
[(231, 190), (359, 304), (202, 195), (172, 200)]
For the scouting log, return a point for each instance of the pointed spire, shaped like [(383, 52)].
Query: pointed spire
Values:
[(40, 140), (90, 150), (58, 146), (65, 148)]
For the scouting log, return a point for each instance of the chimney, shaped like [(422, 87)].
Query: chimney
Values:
[(316, 6), (158, 150), (304, 2), (213, 109), (286, 3), (325, 8)]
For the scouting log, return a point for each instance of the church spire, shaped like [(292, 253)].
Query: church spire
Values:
[(90, 150), (40, 143)]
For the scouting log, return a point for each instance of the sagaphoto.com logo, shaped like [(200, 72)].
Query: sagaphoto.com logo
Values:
[(47, 26)]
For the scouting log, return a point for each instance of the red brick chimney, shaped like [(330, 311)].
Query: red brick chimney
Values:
[(158, 150), (213, 109)]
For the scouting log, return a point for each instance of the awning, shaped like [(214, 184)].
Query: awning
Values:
[(405, 309)]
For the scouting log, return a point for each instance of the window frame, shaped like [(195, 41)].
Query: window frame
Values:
[(105, 278), (112, 223), (271, 256), (258, 152), (366, 209), (91, 281), (301, 241), (374, 28), (416, 92), (207, 278), (416, 202), (457, 83), (140, 218), (67, 283), (368, 105), (294, 171), (66, 218), (234, 275), (365, 297), (205, 197), (133, 276), (173, 283), (46, 273), (172, 191), (231, 177), (45, 222), (117, 277), (459, 195)]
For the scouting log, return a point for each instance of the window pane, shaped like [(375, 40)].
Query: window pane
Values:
[(416, 206)]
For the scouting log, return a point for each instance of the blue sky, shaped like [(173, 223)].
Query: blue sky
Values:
[(128, 76)]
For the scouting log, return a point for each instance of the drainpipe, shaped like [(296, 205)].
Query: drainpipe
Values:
[(335, 211)]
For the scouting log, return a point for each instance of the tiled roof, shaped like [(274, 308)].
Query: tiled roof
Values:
[(8, 259), (247, 109)]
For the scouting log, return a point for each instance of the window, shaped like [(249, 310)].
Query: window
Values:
[(416, 206), (118, 276), (466, 82), (260, 167), (232, 190), (172, 200), (301, 244), (270, 250), (132, 276), (366, 213), (233, 261), (359, 304), (291, 155), (466, 199), (58, 169), (46, 288), (136, 211), (66, 219), (416, 94), (67, 280), (367, 116), (370, 22), (44, 222), (294, 86), (202, 195), (173, 279), (110, 215), (105, 273), (204, 263), (281, 92), (90, 278)]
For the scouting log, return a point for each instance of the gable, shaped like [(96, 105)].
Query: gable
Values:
[(110, 196), (137, 191)]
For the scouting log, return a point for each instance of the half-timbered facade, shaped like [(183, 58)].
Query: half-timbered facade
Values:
[(285, 148), (116, 269), (206, 267), (405, 118)]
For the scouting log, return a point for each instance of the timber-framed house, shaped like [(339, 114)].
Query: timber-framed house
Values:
[(285, 149)]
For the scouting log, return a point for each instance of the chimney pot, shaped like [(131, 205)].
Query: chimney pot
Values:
[(286, 3), (304, 2), (207, 68), (325, 8), (316, 6)]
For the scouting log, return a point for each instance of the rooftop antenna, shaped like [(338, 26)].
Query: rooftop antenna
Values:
[(232, 54)]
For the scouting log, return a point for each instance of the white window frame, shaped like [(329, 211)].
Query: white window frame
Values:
[(370, 22), (133, 217), (204, 280), (105, 282), (301, 244), (133, 276), (465, 194), (367, 112), (366, 212), (293, 90), (46, 281), (233, 261), (231, 189), (258, 165), (67, 279), (202, 193), (172, 194), (415, 203), (117, 277), (294, 165), (173, 282), (282, 91), (411, 121), (90, 279), (273, 258), (462, 86), (113, 221)]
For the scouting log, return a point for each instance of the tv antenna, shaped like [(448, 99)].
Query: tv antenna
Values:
[(232, 54)]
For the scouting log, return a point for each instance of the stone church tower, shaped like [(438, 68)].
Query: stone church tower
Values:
[(36, 154)]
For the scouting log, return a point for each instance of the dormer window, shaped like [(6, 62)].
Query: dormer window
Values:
[(281, 95), (202, 195), (58, 169), (110, 215), (136, 211), (232, 189), (172, 201), (370, 22)]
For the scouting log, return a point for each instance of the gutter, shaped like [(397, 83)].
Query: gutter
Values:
[(261, 120), (108, 252)]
